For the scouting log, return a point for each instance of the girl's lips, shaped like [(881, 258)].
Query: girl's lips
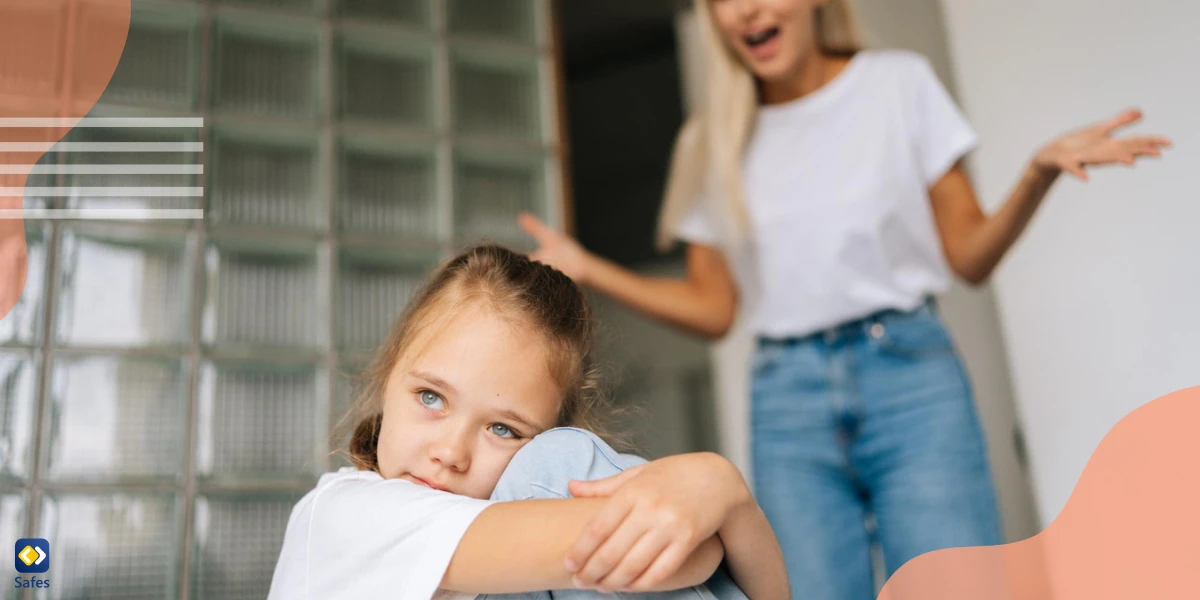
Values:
[(427, 484)]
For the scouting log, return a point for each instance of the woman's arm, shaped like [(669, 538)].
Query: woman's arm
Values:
[(974, 243), (704, 303), (536, 534)]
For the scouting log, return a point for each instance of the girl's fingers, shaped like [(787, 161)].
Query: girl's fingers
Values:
[(668, 562), (602, 487), (610, 517), (637, 560), (612, 552)]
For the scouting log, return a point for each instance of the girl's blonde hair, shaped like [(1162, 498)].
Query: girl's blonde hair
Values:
[(536, 297), (708, 151)]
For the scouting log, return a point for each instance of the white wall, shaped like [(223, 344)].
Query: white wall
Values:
[(1099, 301)]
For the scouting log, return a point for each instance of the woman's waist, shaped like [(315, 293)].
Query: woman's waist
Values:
[(870, 322)]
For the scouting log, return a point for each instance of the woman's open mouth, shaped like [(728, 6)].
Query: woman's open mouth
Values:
[(762, 44)]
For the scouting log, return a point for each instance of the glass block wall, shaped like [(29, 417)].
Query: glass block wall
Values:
[(167, 387)]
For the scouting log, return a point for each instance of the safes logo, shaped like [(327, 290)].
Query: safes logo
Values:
[(31, 555)]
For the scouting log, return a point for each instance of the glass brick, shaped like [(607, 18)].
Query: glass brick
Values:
[(266, 70), (379, 82), (490, 191), (415, 13), (495, 97), (388, 192), (264, 297), (23, 324), (117, 419), (12, 528), (124, 286), (18, 406), (373, 289), (288, 5), (122, 546), (266, 179), (160, 62), (133, 172), (261, 421), (237, 543), (509, 20)]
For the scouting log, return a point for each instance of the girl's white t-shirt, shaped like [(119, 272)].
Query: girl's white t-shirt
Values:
[(358, 535), (837, 189)]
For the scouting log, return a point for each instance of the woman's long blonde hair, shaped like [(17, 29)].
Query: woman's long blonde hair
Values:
[(708, 151)]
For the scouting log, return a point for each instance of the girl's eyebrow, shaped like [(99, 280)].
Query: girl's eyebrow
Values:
[(514, 415), (435, 380)]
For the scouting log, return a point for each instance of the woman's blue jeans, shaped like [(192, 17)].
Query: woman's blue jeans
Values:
[(542, 468), (873, 417)]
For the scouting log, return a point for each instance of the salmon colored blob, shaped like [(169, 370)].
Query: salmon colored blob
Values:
[(1131, 528), (56, 58)]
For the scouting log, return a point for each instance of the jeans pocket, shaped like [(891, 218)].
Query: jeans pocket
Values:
[(765, 357)]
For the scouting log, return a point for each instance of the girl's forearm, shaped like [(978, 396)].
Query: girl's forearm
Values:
[(753, 554), (518, 547)]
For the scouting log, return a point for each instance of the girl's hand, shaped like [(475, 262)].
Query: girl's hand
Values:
[(657, 514), (556, 248), (1096, 145)]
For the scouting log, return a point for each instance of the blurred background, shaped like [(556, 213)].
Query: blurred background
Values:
[(167, 387)]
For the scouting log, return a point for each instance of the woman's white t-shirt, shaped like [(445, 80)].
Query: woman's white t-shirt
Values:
[(358, 535), (837, 188)]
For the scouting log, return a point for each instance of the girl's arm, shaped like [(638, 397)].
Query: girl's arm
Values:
[(704, 303), (974, 242), (720, 501), (753, 554), (540, 532)]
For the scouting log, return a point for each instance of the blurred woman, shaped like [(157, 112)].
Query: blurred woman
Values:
[(821, 194)]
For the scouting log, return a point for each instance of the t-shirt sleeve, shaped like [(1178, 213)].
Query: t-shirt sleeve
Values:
[(697, 225), (374, 538), (942, 133)]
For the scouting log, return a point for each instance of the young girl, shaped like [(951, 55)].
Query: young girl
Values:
[(463, 411), (822, 197)]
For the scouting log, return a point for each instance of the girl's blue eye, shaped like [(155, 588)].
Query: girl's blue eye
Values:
[(501, 430), (431, 399)]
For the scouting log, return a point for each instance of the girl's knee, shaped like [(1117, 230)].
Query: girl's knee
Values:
[(543, 467)]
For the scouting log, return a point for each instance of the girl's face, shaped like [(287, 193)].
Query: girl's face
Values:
[(773, 37), (454, 413)]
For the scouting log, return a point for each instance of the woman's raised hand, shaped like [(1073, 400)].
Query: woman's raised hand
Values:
[(656, 516), (555, 248), (1097, 145)]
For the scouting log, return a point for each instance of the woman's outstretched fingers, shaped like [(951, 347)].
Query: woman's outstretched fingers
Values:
[(1125, 118), (1077, 170)]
